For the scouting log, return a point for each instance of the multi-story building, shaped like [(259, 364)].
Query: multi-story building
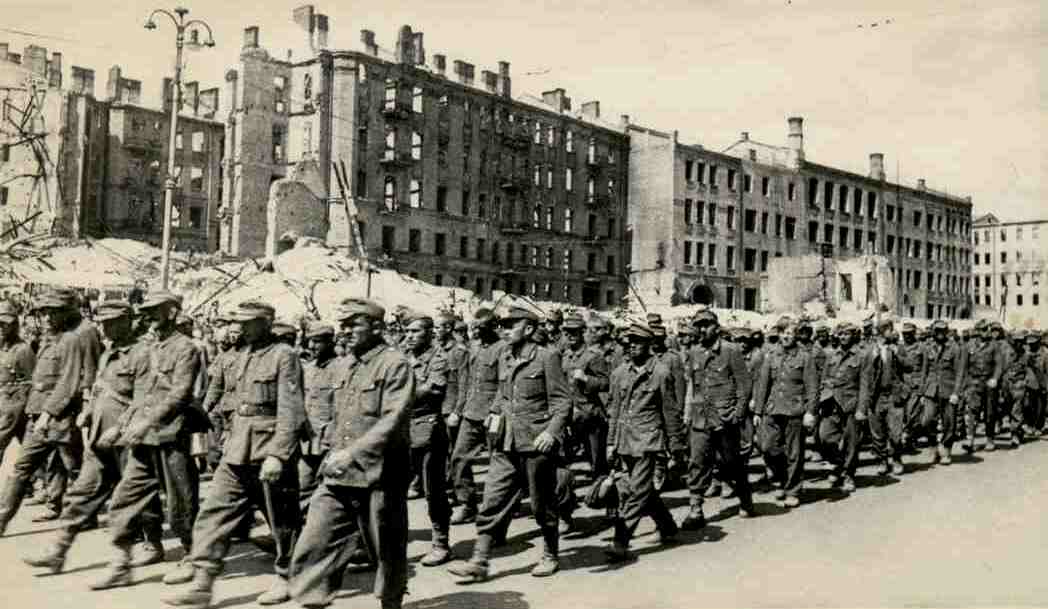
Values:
[(706, 224), (1008, 268), (455, 182)]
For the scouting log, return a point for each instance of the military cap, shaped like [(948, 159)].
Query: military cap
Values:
[(597, 322), (112, 309), (57, 299), (775, 330), (573, 321), (515, 313), (8, 311), (483, 315), (654, 319), (756, 333), (416, 316), (821, 329), (1020, 335), (658, 331), (461, 326), (980, 325), (318, 330), (706, 316), (938, 325), (867, 323), (1033, 337), (183, 319), (909, 328), (996, 325), (885, 322), (156, 298), (252, 309), (351, 307), (443, 316), (784, 322), (846, 327), (685, 330), (555, 315), (803, 326), (284, 329), (639, 330)]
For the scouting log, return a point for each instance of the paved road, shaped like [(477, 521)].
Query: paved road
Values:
[(971, 534)]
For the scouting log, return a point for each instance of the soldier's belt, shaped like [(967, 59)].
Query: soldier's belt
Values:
[(255, 410)]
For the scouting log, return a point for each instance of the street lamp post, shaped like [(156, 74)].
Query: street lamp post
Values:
[(180, 23)]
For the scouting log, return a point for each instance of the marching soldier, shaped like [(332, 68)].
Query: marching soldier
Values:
[(881, 396), (529, 418), (319, 388), (17, 361), (910, 358), (52, 406), (784, 405), (481, 388), (645, 423), (456, 357), (944, 371), (156, 430), (587, 374), (839, 434), (1027, 376), (720, 395), (429, 435), (366, 472), (985, 366)]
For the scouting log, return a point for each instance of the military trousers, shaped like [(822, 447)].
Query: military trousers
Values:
[(1027, 411), (12, 425), (642, 499), (713, 450), (838, 440), (149, 472), (887, 426), (939, 410), (60, 460), (87, 496), (591, 429), (430, 460), (328, 541), (510, 476), (236, 492), (979, 400), (470, 442), (308, 478), (782, 442)]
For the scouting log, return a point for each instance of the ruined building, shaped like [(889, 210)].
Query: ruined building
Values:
[(1008, 270), (453, 179), (708, 227)]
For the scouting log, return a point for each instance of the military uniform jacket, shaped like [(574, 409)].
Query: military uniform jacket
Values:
[(644, 415), (373, 395), (270, 415), (671, 359), (165, 373), (881, 378), (842, 376), (319, 402), (56, 385), (533, 396), (17, 361), (754, 361), (787, 384), (483, 384), (985, 362), (113, 389), (586, 395), (720, 386), (431, 382), (910, 358), (222, 384), (456, 364), (90, 352), (944, 369)]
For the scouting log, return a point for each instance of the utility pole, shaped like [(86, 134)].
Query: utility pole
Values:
[(170, 183)]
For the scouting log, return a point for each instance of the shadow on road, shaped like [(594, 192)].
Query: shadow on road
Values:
[(473, 600), (97, 565)]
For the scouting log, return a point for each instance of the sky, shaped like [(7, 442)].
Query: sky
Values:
[(952, 92)]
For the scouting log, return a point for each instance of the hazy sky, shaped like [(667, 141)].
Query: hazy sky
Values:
[(951, 92)]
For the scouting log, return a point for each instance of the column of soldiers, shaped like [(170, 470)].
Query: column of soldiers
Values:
[(325, 441)]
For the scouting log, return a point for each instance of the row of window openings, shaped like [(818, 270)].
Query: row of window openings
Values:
[(933, 252), (1004, 257), (1034, 234), (706, 255), (537, 257), (535, 289), (912, 279), (1035, 279), (988, 300)]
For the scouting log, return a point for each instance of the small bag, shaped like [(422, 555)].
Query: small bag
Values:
[(199, 444), (423, 430)]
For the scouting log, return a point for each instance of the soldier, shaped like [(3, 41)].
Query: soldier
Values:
[(910, 359), (529, 418), (156, 430), (456, 357), (944, 371), (751, 343), (552, 328), (52, 406), (17, 361), (645, 423), (461, 333), (481, 388), (720, 395), (366, 472), (839, 411), (111, 396), (784, 405), (985, 367), (285, 333), (587, 374), (319, 388), (429, 436), (882, 397), (220, 400)]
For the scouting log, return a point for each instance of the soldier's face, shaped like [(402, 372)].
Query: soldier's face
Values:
[(939, 336), (574, 336), (519, 330), (418, 336), (161, 317), (788, 338), (117, 329), (909, 337), (708, 332), (361, 333), (253, 329), (319, 345), (639, 348), (442, 329)]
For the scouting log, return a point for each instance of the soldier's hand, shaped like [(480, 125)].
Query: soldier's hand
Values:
[(41, 424), (109, 437), (271, 469), (954, 399), (136, 432), (452, 420), (83, 419), (578, 375), (545, 442), (335, 464), (860, 415), (991, 383), (809, 420), (611, 453), (756, 421)]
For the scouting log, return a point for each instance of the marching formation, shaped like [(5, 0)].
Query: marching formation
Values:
[(328, 431)]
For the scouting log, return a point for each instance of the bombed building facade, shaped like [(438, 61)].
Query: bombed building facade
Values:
[(708, 227), (452, 178)]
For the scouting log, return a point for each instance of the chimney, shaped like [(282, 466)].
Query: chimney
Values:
[(251, 37), (54, 71), (132, 91), (624, 121), (745, 136), (322, 31), (504, 83), (190, 97), (207, 103), (303, 17), (35, 60), (440, 64), (231, 89), (405, 45), (491, 81), (591, 109), (83, 81), (796, 134), (554, 98), (463, 71), (920, 184), (113, 84), (418, 50), (368, 38), (877, 165)]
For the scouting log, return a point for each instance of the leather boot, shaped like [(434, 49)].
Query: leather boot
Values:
[(149, 553), (440, 553), (695, 520), (53, 559), (119, 571), (463, 514), (198, 596), (549, 563), (277, 593), (182, 573), (476, 568)]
